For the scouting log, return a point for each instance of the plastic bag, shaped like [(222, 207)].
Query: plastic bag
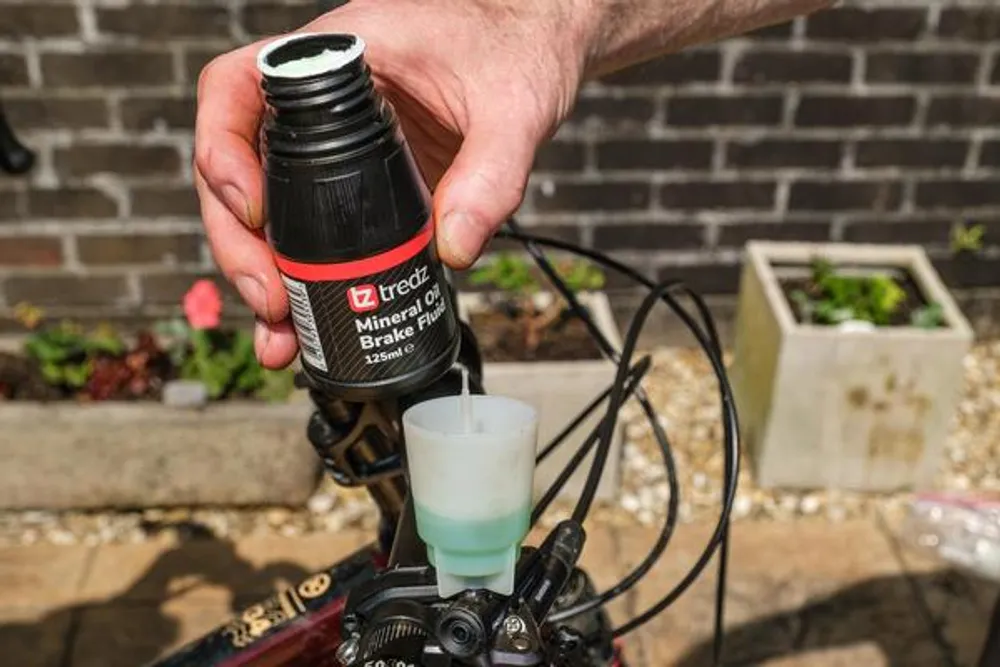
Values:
[(961, 529)]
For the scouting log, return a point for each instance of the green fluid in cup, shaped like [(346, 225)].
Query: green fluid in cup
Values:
[(472, 547)]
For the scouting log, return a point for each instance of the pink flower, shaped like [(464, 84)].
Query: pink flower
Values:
[(203, 305)]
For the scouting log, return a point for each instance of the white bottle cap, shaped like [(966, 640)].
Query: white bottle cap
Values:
[(471, 461)]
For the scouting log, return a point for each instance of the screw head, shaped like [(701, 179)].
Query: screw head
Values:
[(347, 652), (513, 625)]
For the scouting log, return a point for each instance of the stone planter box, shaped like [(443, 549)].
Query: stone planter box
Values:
[(134, 455), (822, 407), (560, 390)]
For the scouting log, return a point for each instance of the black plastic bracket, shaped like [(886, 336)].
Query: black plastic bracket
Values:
[(15, 158)]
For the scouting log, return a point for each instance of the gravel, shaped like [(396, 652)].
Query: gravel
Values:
[(680, 384)]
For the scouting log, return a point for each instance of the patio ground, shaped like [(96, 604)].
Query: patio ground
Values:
[(802, 592)]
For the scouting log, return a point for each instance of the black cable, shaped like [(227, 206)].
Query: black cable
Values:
[(615, 401), (719, 636), (658, 548), (604, 447), (558, 440), (731, 438), (713, 352), (670, 522), (634, 377), (666, 533), (731, 472)]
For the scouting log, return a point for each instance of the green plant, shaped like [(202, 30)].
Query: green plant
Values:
[(275, 386), (966, 238), (581, 276), (831, 298), (225, 362), (513, 275), (222, 359), (508, 272), (930, 316), (66, 353), (98, 365)]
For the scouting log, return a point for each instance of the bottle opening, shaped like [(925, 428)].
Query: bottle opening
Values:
[(304, 56)]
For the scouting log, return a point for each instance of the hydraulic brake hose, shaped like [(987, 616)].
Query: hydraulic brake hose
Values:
[(709, 342)]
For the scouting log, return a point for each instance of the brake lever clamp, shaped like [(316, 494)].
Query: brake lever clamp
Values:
[(399, 616), (405, 632)]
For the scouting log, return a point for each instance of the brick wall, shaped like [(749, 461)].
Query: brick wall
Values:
[(873, 122)]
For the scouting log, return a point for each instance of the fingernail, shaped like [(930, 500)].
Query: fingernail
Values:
[(253, 293), (461, 237), (239, 205), (261, 337)]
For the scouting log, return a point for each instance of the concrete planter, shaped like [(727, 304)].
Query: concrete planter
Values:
[(827, 408), (560, 390), (71, 456)]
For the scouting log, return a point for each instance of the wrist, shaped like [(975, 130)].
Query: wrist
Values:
[(590, 27), (621, 33)]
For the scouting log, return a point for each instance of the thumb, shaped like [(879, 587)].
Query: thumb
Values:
[(482, 188)]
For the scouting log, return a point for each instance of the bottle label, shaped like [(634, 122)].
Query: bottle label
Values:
[(371, 319), (304, 321)]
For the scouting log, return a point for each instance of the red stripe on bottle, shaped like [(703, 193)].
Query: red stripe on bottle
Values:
[(358, 268)]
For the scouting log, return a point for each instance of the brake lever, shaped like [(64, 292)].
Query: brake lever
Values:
[(15, 158)]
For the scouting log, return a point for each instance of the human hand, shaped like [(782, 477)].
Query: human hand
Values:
[(477, 86)]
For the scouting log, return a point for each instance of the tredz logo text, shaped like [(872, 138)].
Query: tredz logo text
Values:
[(362, 298)]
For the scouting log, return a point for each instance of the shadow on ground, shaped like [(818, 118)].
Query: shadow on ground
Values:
[(131, 628), (957, 610), (933, 619)]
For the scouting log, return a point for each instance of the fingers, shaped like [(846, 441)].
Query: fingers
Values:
[(243, 256), (246, 260), (275, 343), (483, 187), (230, 189), (230, 107)]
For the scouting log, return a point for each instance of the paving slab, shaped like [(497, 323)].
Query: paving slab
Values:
[(42, 575), (959, 603), (213, 570), (150, 599), (33, 636), (127, 635), (801, 594)]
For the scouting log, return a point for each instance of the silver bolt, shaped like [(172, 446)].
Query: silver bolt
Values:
[(347, 653), (513, 625)]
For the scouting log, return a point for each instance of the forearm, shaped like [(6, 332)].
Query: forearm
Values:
[(625, 32)]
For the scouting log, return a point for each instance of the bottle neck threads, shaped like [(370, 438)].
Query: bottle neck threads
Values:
[(322, 103)]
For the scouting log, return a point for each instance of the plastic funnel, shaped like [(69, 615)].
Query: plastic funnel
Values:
[(471, 462)]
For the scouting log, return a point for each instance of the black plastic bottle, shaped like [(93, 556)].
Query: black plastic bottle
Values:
[(350, 223)]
